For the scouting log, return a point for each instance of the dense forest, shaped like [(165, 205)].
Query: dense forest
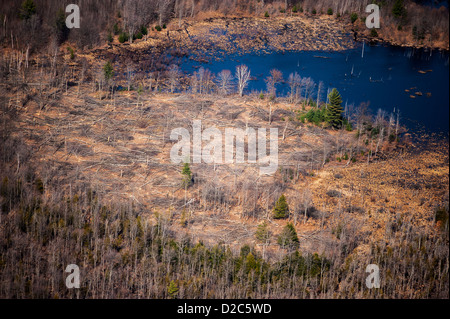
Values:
[(34, 24)]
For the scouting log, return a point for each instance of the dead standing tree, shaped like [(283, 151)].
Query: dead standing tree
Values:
[(131, 18), (130, 75), (275, 78), (164, 10), (294, 81), (225, 82), (243, 77), (308, 86), (174, 77)]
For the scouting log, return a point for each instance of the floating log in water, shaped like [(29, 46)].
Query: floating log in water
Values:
[(376, 81)]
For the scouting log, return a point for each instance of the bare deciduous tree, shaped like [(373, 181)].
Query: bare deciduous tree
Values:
[(224, 81), (294, 81), (272, 80), (174, 77), (164, 10), (243, 77)]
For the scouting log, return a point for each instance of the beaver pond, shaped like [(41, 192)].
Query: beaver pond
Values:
[(413, 81)]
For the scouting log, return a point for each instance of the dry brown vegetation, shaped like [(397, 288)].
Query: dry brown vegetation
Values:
[(69, 144), (100, 19), (86, 176)]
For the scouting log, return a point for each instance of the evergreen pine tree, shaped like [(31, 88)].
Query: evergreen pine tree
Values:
[(262, 233), (281, 208), (108, 71), (187, 175), (399, 10), (61, 30), (335, 110), (288, 237), (27, 10), (172, 289), (250, 263)]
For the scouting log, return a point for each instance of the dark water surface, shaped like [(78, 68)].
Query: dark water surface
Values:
[(380, 77), (433, 3)]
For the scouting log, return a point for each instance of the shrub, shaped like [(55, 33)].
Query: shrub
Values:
[(116, 29), (123, 37), (266, 14), (353, 17), (392, 138), (310, 115), (330, 12), (334, 193), (349, 127), (294, 9), (314, 11), (144, 30), (158, 28), (110, 37), (137, 35), (374, 33), (72, 53)]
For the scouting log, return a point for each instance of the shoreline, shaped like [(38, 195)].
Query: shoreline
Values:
[(400, 45), (215, 37)]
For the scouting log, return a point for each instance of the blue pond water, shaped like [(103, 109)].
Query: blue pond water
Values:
[(434, 3), (380, 78)]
